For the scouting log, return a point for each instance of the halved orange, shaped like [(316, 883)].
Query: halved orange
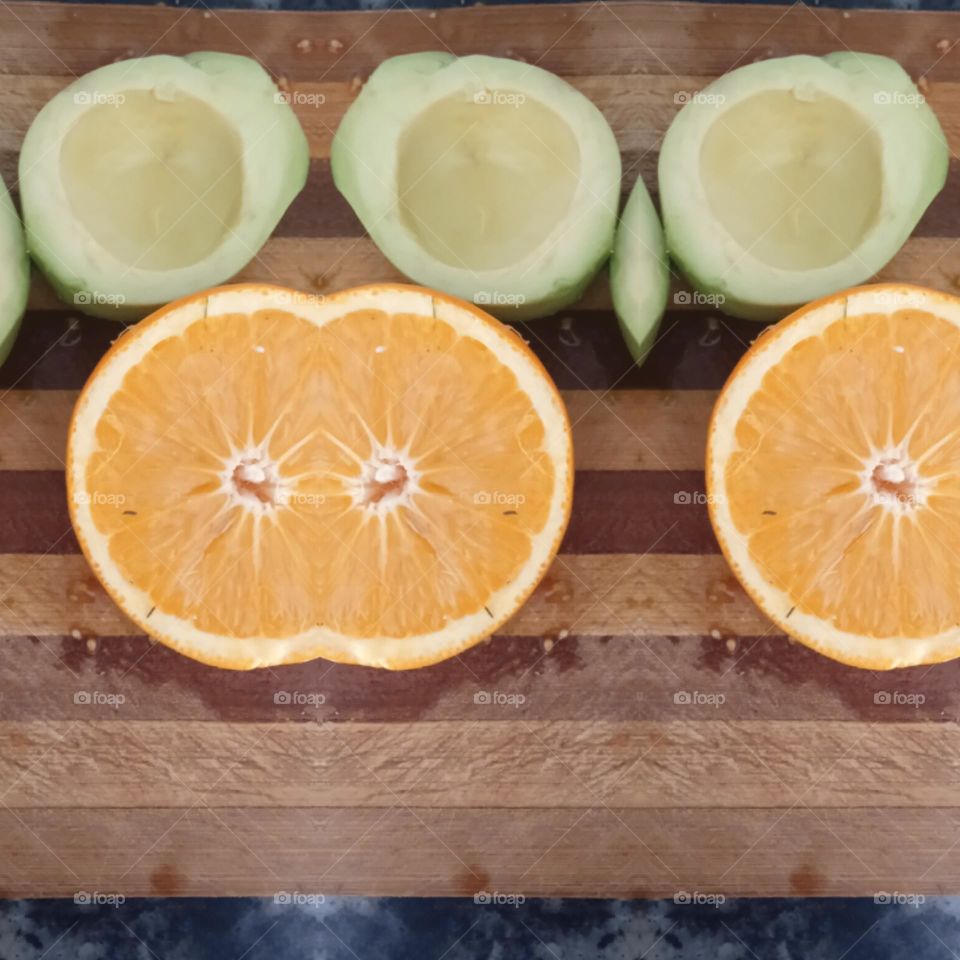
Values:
[(833, 475), (379, 477)]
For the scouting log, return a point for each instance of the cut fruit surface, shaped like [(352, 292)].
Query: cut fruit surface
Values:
[(14, 273), (833, 472), (791, 178), (149, 179), (378, 477), (173, 152), (483, 184), (793, 207), (488, 178)]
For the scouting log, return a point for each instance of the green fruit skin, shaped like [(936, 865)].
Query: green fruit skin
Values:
[(562, 297), (16, 279), (733, 307), (639, 273), (76, 291)]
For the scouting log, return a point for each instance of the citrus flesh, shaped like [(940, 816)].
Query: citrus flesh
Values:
[(834, 475), (378, 477)]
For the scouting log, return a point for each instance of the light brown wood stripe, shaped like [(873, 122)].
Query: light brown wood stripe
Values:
[(932, 261), (450, 764), (613, 430), (400, 850), (591, 595), (33, 428)]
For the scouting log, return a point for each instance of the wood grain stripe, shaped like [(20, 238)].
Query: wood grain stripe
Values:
[(400, 850), (327, 264), (451, 764), (638, 108), (591, 595), (582, 350), (639, 511), (625, 512), (616, 430), (637, 730), (321, 212), (54, 40), (563, 677), (34, 507), (33, 429)]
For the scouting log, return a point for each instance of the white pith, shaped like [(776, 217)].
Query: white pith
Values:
[(382, 469), (782, 607), (894, 467), (383, 651), (254, 466)]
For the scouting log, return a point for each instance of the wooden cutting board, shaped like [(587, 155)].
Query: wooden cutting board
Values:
[(640, 730)]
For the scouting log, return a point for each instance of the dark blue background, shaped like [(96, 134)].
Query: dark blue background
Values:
[(352, 928), (386, 4)]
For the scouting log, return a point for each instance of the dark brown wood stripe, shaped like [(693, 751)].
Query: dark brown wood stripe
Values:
[(639, 511), (56, 350), (615, 512), (321, 211), (33, 504), (570, 678), (696, 350), (940, 220)]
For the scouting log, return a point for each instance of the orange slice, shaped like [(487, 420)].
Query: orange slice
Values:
[(833, 475), (378, 477)]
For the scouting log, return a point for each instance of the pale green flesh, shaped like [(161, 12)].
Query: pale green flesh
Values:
[(481, 185), (639, 273), (156, 182), (796, 182)]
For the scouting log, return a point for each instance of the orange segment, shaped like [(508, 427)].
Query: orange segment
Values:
[(834, 473), (379, 477)]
